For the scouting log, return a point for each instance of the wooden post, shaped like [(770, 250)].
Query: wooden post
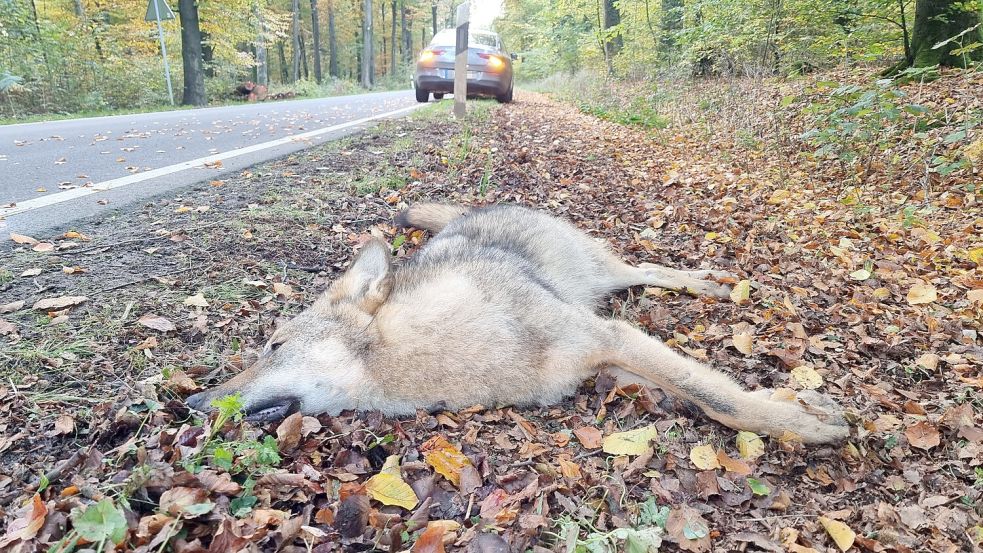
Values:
[(461, 61)]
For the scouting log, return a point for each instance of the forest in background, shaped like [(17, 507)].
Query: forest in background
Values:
[(98, 55)]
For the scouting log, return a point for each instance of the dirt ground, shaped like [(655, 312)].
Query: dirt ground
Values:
[(163, 299)]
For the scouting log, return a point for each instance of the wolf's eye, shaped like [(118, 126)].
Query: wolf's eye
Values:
[(274, 346)]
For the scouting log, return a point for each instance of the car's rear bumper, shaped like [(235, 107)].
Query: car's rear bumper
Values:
[(484, 83)]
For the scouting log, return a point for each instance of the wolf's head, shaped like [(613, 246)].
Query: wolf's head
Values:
[(315, 363)]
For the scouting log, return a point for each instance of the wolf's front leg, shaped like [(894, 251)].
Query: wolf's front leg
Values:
[(643, 359)]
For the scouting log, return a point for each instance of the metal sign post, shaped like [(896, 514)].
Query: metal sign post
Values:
[(461, 61), (158, 10)]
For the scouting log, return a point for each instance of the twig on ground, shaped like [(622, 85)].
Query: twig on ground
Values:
[(145, 279)]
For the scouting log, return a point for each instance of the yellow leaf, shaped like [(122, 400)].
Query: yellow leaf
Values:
[(182, 209), (749, 445), (446, 459), (975, 255), (741, 292), (388, 486), (744, 343), (882, 293), (842, 535), (633, 442), (704, 457), (922, 293), (778, 197), (807, 377)]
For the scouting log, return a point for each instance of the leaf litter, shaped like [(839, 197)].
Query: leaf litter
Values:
[(627, 468)]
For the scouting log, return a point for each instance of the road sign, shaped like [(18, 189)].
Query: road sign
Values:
[(156, 11), (158, 7), (461, 60)]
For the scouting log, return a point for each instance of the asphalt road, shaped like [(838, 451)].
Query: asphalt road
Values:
[(55, 172)]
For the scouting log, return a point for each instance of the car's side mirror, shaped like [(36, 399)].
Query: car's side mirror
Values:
[(514, 56)]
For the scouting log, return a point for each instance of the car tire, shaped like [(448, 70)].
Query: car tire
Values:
[(422, 96), (438, 95), (505, 98)]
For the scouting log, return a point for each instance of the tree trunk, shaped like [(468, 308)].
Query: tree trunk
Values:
[(303, 56), (282, 55), (262, 67), (332, 43), (194, 70), (433, 16), (316, 37), (392, 38), (295, 52), (367, 51), (382, 25), (407, 36), (940, 20), (612, 18)]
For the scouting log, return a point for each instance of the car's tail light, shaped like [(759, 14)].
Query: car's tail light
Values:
[(494, 62), (428, 55)]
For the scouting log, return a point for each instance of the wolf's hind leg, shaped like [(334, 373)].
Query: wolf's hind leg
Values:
[(648, 274), (640, 358)]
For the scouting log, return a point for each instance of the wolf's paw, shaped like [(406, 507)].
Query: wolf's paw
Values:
[(810, 416)]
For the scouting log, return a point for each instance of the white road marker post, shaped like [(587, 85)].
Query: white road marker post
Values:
[(155, 13), (461, 61)]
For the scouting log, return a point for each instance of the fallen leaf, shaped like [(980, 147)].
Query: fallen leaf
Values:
[(33, 271), (26, 527), (923, 435), (389, 488), (59, 303), (704, 457), (197, 300), (806, 377), (741, 292), (842, 535), (921, 294), (744, 343), (430, 541), (633, 442), (446, 459), (733, 465), (688, 529), (12, 306), (749, 445), (929, 361), (156, 322), (43, 247), (64, 424), (178, 499), (589, 436), (288, 432), (758, 487), (23, 239)]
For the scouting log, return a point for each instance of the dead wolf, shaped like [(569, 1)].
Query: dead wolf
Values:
[(499, 308)]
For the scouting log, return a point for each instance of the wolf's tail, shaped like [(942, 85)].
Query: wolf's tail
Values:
[(432, 217)]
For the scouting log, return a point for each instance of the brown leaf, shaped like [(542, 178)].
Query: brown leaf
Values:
[(23, 239), (923, 435), (288, 433), (353, 516), (175, 500), (59, 303), (26, 526), (431, 540), (687, 528), (282, 479), (43, 247), (589, 436), (64, 424), (12, 306), (220, 483), (156, 322)]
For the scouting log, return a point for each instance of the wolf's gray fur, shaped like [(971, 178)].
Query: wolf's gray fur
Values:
[(498, 308)]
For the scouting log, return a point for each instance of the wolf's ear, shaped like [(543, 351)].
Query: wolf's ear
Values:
[(368, 281)]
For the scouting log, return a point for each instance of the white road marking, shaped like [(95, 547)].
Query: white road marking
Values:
[(59, 197)]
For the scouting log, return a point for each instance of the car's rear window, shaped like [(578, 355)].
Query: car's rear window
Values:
[(448, 37)]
